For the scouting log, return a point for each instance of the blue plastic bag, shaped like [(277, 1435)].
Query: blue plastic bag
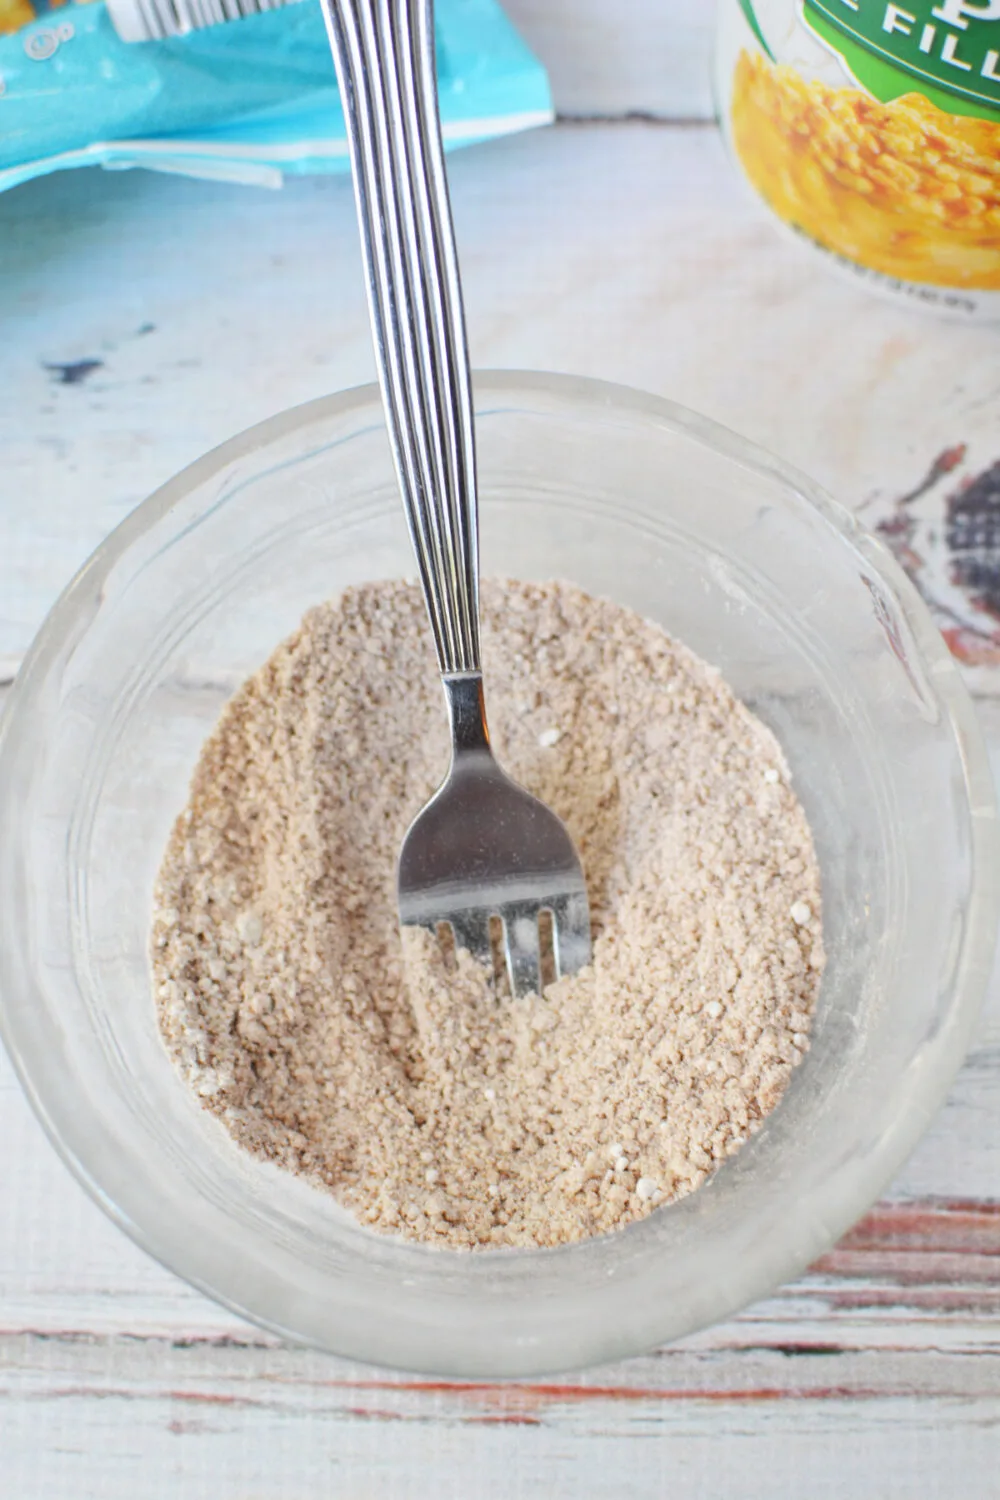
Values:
[(242, 102)]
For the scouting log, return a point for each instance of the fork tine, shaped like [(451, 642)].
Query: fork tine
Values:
[(570, 933), (520, 945), (472, 932)]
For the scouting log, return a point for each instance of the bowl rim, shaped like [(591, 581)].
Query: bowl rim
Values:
[(972, 971)]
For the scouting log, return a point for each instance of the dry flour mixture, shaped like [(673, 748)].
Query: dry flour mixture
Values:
[(425, 1099)]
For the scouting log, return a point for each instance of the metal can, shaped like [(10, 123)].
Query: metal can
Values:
[(873, 131)]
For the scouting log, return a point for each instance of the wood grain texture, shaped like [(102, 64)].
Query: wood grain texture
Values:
[(187, 1429), (621, 251), (816, 1386)]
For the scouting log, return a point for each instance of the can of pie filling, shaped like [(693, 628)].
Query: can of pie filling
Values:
[(873, 131)]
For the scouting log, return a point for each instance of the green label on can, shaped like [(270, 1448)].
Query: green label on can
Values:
[(950, 51), (747, 8)]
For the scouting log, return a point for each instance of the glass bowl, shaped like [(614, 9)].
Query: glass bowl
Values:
[(631, 497)]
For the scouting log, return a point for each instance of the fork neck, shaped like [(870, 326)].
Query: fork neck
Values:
[(385, 57), (463, 693)]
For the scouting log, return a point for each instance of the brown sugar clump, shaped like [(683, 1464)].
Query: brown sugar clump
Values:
[(428, 1102)]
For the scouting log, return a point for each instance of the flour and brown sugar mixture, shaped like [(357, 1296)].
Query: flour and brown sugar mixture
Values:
[(427, 1101)]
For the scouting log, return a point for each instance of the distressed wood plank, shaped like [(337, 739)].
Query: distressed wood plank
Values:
[(912, 1274), (625, 251), (161, 1421)]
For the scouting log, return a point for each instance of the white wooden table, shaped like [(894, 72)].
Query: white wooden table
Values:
[(618, 249)]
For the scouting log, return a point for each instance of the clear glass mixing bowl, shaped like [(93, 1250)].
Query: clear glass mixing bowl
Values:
[(813, 625)]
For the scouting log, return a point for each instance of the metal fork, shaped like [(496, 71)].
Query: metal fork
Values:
[(482, 847)]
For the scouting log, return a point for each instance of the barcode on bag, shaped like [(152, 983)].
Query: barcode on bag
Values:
[(153, 20)]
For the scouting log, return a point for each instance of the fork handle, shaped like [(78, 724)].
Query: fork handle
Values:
[(384, 55)]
